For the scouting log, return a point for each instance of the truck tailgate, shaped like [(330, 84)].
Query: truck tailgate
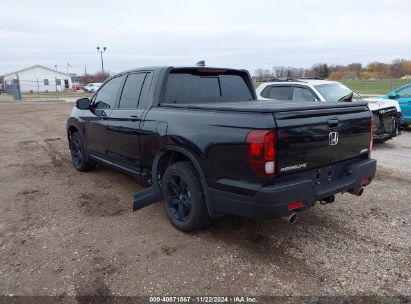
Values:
[(311, 138)]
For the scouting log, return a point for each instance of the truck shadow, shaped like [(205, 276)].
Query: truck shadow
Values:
[(277, 244), (266, 237)]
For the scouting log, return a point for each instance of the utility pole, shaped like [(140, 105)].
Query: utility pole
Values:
[(101, 55)]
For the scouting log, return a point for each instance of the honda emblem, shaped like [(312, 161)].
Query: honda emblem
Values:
[(333, 138)]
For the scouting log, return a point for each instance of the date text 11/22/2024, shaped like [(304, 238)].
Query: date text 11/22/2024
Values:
[(203, 299)]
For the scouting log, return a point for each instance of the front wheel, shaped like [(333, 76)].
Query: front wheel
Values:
[(79, 155), (183, 197)]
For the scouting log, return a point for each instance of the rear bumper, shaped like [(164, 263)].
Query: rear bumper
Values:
[(272, 201)]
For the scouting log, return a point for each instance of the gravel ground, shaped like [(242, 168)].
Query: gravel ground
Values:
[(68, 233)]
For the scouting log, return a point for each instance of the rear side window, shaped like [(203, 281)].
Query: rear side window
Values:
[(194, 86), (131, 91), (406, 92), (277, 92), (303, 94)]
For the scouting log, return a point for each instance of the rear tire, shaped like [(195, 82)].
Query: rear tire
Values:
[(184, 201), (380, 141), (79, 155)]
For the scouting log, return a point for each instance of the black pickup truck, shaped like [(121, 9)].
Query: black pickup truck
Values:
[(208, 147)]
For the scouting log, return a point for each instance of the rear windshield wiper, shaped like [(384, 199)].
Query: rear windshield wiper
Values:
[(347, 97)]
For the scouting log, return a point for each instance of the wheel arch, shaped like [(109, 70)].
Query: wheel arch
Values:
[(172, 154), (74, 126)]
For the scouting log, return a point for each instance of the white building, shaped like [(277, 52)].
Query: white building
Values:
[(39, 78)]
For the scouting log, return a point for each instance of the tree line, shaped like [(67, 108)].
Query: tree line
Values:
[(374, 70), (90, 78)]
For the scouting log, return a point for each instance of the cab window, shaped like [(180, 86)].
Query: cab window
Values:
[(206, 85), (131, 91), (106, 97)]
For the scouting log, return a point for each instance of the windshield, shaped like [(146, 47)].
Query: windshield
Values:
[(333, 91)]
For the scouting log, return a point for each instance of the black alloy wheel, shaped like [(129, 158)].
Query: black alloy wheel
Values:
[(183, 197)]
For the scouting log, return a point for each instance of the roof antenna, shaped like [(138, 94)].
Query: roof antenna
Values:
[(200, 63)]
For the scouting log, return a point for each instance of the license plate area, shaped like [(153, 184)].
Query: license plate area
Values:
[(324, 175)]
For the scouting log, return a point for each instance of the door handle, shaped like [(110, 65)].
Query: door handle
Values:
[(134, 118)]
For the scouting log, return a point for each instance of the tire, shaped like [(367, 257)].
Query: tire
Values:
[(79, 155), (380, 141), (183, 198)]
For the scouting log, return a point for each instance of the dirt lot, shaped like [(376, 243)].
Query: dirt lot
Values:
[(68, 233)]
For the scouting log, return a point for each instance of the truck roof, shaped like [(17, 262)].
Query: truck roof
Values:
[(302, 80), (164, 67)]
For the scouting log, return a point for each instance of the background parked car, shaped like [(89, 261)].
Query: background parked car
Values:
[(387, 113), (403, 96), (92, 87), (78, 87)]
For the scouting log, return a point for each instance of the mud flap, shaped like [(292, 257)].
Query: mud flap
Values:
[(147, 197), (151, 194)]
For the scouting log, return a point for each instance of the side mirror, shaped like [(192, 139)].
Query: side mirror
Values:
[(393, 95), (83, 103)]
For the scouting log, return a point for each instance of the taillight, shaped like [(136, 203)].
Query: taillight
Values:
[(371, 136), (262, 151), (295, 205), (364, 181)]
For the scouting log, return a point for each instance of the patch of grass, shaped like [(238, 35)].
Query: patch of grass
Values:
[(256, 83), (380, 86)]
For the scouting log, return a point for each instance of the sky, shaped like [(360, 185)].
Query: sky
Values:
[(227, 33)]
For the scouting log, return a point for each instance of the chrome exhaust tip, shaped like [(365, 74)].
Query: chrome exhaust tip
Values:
[(328, 200), (358, 192), (291, 219)]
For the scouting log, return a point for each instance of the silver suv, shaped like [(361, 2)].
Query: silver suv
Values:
[(386, 113)]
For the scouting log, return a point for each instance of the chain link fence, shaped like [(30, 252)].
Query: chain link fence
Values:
[(42, 90)]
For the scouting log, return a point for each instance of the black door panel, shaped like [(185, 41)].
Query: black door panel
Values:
[(123, 126), (95, 132), (103, 103), (124, 133)]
